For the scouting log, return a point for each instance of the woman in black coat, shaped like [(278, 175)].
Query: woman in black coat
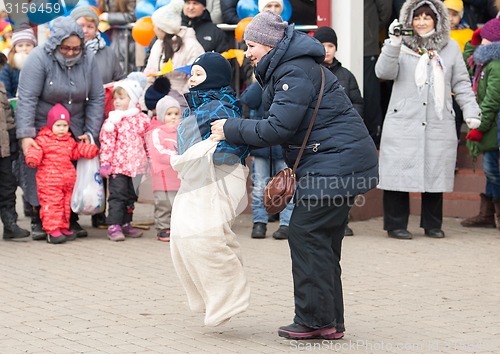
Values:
[(339, 162)]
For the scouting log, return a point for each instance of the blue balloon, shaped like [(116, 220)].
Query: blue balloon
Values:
[(160, 3), (144, 8), (250, 8), (41, 14), (287, 10), (247, 8)]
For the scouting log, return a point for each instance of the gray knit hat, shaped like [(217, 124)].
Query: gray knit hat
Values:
[(85, 11), (266, 28)]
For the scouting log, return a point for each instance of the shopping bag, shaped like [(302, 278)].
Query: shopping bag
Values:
[(88, 193)]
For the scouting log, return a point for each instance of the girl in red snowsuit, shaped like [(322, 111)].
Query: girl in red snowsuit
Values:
[(56, 174)]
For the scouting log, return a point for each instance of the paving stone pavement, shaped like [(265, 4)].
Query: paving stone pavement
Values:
[(97, 296)]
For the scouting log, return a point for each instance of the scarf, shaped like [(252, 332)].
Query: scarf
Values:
[(478, 71), (68, 62), (116, 117), (19, 60), (96, 43), (437, 76)]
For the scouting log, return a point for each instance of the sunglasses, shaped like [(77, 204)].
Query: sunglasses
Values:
[(65, 49)]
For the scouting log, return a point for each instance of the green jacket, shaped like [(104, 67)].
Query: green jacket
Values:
[(488, 95)]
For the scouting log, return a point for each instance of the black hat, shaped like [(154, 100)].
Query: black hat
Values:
[(326, 34), (203, 2), (218, 71), (159, 89)]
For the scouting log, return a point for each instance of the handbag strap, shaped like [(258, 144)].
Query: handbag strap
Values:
[(313, 118)]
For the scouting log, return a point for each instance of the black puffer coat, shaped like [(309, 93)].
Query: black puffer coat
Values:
[(340, 159)]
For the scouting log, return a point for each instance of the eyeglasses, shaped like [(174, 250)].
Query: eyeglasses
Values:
[(65, 49)]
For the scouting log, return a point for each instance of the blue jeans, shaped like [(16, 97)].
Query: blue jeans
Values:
[(260, 177), (492, 172)]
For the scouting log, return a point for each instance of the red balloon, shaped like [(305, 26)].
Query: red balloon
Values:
[(240, 28), (143, 31)]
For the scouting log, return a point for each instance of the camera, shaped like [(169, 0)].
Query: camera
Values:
[(400, 31)]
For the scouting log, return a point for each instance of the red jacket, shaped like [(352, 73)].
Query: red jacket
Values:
[(161, 143), (56, 174)]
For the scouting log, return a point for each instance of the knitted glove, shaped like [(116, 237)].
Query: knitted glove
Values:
[(473, 123), (474, 135), (395, 40), (105, 171), (476, 37)]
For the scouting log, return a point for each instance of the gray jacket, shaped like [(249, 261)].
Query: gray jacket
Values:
[(44, 81), (108, 65), (418, 148)]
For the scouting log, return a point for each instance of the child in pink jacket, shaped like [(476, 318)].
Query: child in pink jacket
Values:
[(161, 140), (123, 155)]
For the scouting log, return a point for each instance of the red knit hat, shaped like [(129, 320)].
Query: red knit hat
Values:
[(58, 112), (491, 30)]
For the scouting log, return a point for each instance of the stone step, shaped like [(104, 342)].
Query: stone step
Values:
[(464, 160)]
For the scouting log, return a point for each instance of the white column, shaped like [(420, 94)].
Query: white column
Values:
[(347, 21)]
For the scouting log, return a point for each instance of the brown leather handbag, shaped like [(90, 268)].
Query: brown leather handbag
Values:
[(280, 189)]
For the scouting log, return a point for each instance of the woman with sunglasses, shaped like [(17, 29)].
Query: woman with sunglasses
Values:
[(60, 71)]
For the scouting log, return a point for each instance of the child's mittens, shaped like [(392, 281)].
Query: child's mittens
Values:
[(474, 135), (476, 37), (105, 171), (473, 123)]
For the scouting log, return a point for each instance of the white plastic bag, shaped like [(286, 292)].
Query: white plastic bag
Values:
[(88, 193)]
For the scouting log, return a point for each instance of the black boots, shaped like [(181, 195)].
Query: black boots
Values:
[(259, 230), (37, 232), (10, 228)]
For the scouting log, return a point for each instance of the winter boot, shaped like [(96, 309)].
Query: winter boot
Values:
[(486, 217), (115, 233), (496, 203), (27, 208), (130, 231), (37, 232), (10, 228)]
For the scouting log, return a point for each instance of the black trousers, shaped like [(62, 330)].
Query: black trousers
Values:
[(8, 184), (372, 111), (397, 210), (315, 239), (121, 200)]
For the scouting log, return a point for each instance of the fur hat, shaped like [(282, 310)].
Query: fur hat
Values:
[(163, 105), (160, 88), (326, 34), (455, 5), (134, 85), (168, 17), (58, 112), (263, 3), (218, 71), (26, 35), (441, 36), (491, 30), (266, 28), (85, 11)]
